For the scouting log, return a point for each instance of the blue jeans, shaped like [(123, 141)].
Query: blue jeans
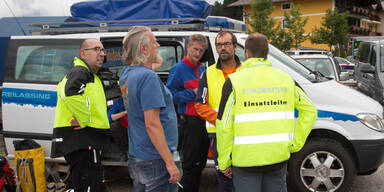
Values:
[(150, 175), (266, 181)]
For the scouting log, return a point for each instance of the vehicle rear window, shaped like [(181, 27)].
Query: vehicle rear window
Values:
[(40, 60), (323, 65)]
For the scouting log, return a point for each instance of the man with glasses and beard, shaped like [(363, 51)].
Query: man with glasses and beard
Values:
[(209, 93)]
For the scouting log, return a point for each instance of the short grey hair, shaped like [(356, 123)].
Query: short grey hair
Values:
[(132, 42), (198, 38)]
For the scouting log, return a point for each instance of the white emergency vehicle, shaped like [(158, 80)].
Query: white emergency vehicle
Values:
[(347, 139)]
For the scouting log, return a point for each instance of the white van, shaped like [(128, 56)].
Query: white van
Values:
[(347, 139)]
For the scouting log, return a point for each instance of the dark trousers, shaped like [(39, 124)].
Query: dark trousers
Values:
[(248, 180), (195, 145), (225, 183), (86, 170), (120, 135)]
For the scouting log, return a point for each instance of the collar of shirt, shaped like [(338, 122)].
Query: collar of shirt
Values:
[(186, 61)]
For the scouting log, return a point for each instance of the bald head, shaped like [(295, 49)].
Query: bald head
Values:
[(257, 46), (85, 43), (92, 52)]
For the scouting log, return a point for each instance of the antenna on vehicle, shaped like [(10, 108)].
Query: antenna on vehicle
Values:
[(14, 16)]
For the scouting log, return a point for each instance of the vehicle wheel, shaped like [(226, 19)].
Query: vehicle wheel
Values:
[(322, 165), (57, 172)]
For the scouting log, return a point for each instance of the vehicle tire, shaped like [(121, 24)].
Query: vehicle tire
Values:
[(57, 172), (322, 165)]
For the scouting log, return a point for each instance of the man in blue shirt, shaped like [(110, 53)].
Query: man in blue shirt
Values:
[(183, 81), (152, 128)]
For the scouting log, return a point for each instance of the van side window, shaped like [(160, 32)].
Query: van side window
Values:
[(44, 63), (382, 58), (171, 54), (40, 61), (363, 52), (372, 57), (170, 51)]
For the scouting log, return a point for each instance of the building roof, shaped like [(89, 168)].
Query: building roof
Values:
[(247, 2)]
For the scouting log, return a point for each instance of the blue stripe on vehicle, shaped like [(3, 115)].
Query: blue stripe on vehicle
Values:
[(28, 96), (335, 116), (348, 67)]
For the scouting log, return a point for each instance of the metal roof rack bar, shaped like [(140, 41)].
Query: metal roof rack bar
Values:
[(106, 26), (175, 24)]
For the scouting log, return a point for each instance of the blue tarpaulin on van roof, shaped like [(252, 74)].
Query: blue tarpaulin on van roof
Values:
[(107, 10)]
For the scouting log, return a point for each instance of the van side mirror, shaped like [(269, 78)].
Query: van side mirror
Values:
[(367, 68)]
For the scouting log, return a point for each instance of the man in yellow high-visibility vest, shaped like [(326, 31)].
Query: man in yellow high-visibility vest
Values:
[(81, 127), (209, 93), (255, 127)]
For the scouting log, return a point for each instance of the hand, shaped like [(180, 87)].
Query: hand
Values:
[(75, 124), (227, 172), (174, 173), (195, 90)]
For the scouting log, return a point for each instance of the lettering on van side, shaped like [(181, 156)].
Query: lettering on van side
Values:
[(27, 95)]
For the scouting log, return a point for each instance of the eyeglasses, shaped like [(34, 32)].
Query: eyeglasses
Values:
[(98, 50), (226, 44)]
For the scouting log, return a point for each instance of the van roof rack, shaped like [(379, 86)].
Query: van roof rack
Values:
[(172, 24)]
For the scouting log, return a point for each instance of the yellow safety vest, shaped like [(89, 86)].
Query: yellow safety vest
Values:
[(258, 124), (215, 82), (89, 108)]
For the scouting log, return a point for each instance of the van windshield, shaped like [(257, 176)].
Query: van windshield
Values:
[(295, 66), (323, 65)]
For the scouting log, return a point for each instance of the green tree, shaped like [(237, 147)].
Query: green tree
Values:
[(281, 39), (260, 21), (295, 25), (333, 31)]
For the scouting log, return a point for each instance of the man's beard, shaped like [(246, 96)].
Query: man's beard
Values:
[(226, 58)]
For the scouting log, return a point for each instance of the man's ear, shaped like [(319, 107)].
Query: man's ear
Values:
[(234, 47), (247, 53), (144, 49), (81, 53)]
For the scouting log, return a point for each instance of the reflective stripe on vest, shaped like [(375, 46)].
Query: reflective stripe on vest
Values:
[(264, 116), (263, 139)]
